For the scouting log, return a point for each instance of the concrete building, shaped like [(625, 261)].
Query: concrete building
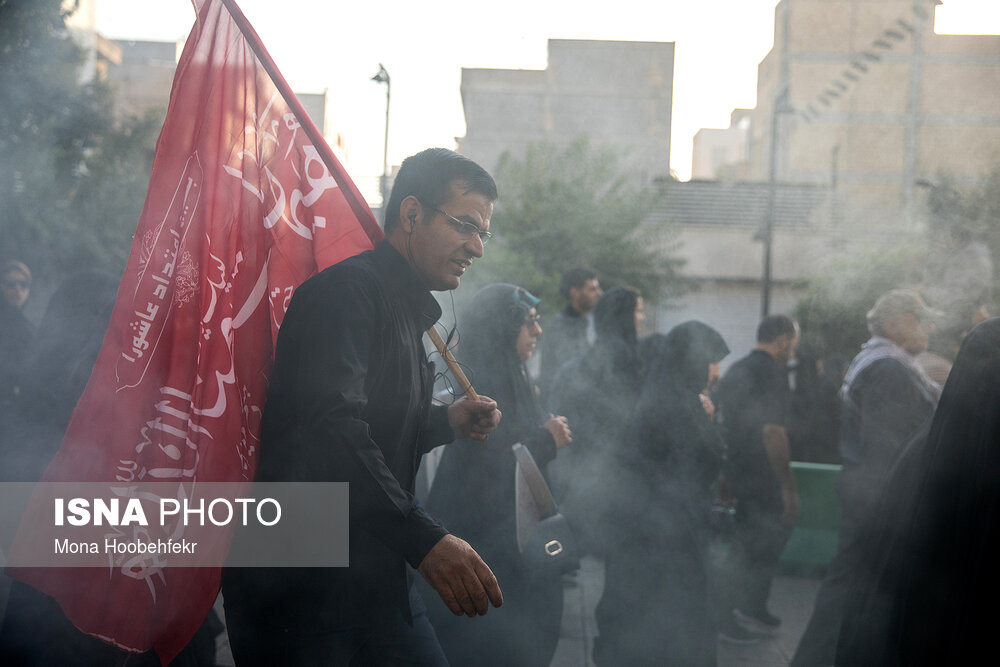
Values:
[(720, 225), (616, 93), (144, 75), (864, 96), (722, 153)]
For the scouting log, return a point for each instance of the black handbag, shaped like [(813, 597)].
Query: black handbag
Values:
[(544, 537)]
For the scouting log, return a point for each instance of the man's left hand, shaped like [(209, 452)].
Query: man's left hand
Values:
[(474, 419)]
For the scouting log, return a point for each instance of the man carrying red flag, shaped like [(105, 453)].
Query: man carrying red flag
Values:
[(349, 400), (245, 202)]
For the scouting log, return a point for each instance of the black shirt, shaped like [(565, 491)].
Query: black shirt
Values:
[(349, 400), (754, 392)]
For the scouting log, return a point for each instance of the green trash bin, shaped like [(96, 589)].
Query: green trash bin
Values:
[(813, 542)]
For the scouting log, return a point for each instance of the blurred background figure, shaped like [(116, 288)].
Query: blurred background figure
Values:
[(473, 492), (15, 335), (888, 402), (597, 393), (928, 583), (754, 403), (567, 334), (58, 363), (57, 366), (655, 605)]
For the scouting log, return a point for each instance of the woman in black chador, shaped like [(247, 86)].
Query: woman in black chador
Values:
[(597, 392), (655, 608), (473, 491), (928, 591)]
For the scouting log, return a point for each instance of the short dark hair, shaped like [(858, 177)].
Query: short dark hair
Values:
[(575, 277), (774, 326), (428, 176)]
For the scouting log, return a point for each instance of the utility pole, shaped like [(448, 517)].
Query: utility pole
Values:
[(780, 106), (382, 76)]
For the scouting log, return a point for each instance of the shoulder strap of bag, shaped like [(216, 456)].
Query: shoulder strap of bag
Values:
[(536, 482)]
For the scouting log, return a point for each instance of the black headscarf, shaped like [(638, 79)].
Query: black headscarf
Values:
[(927, 591), (488, 347), (473, 490), (671, 425)]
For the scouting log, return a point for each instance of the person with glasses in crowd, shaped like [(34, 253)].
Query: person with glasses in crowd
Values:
[(350, 401), (474, 487)]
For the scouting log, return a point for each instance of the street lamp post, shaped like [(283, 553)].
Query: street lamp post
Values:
[(781, 105), (382, 76)]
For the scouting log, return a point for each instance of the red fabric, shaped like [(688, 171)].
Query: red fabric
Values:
[(242, 207)]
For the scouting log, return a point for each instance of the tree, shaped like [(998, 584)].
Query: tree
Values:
[(566, 207), (72, 176), (832, 313)]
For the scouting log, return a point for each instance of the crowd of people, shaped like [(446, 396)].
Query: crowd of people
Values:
[(651, 453)]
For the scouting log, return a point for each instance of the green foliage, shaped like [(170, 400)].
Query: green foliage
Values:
[(983, 209), (565, 207), (832, 313), (72, 176)]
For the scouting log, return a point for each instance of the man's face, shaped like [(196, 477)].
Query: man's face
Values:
[(437, 248), (15, 287), (908, 332), (787, 346), (584, 298)]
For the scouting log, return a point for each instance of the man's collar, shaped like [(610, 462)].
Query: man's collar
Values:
[(411, 291), (570, 311)]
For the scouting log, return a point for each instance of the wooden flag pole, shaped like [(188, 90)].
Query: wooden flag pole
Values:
[(456, 370)]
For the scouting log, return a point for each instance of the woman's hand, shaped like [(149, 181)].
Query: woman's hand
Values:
[(559, 429)]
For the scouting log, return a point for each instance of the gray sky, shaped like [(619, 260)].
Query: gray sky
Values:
[(338, 45)]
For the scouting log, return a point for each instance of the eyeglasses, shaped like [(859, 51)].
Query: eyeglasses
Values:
[(465, 229), (11, 284), (534, 320)]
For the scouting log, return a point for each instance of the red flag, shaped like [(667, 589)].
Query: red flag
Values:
[(245, 202)]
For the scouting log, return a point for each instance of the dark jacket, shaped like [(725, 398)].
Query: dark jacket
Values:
[(349, 401), (927, 587), (565, 338)]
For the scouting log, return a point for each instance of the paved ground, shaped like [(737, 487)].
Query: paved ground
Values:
[(791, 599)]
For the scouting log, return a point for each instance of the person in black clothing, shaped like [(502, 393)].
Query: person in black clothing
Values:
[(349, 400), (754, 400), (655, 605), (473, 492), (926, 589), (16, 332), (566, 334), (888, 402), (597, 393), (35, 631)]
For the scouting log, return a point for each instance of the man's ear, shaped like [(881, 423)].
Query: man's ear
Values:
[(410, 212)]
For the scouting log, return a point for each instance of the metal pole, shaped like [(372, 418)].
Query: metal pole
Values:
[(382, 76), (765, 290), (385, 143)]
